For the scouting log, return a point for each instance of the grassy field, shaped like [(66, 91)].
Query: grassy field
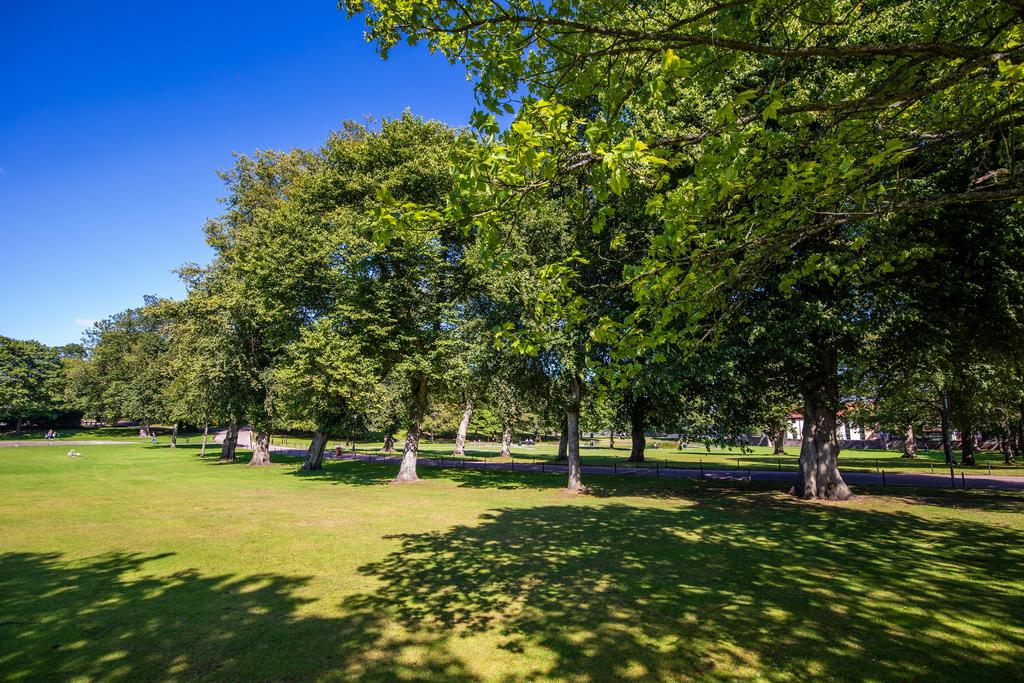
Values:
[(668, 454), (103, 434), (146, 563)]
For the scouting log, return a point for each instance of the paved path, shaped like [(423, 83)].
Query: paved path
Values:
[(962, 480), (65, 442)]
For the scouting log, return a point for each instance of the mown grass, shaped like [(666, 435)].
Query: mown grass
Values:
[(695, 455), (146, 563), (163, 434)]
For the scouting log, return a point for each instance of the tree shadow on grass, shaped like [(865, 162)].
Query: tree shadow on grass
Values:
[(728, 587), (362, 473), (108, 618)]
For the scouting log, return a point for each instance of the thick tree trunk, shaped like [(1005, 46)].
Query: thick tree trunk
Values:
[(206, 434), (506, 441), (910, 443), (611, 437), (315, 453), (407, 471), (17, 427), (227, 448), (174, 436), (819, 475), (967, 445), (261, 450), (460, 437), (637, 427), (572, 423), (563, 443), (779, 442), (947, 447), (1006, 442), (389, 443)]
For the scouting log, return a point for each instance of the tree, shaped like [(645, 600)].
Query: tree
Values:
[(405, 286), (31, 375), (786, 142), (123, 375), (325, 383)]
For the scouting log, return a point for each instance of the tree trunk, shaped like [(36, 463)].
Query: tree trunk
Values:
[(506, 441), (227, 448), (315, 453), (910, 443), (174, 435), (206, 434), (819, 475), (572, 423), (967, 445), (563, 443), (637, 427), (389, 443), (947, 447), (611, 437), (779, 442), (1006, 442), (261, 450), (407, 471), (17, 427), (460, 438)]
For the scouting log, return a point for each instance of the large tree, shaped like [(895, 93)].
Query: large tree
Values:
[(31, 381), (123, 374), (785, 140)]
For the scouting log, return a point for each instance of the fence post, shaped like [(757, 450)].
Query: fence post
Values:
[(780, 464), (542, 466), (657, 470), (883, 477), (701, 469), (990, 467), (964, 480)]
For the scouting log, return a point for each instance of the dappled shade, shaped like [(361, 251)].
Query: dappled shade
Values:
[(723, 587)]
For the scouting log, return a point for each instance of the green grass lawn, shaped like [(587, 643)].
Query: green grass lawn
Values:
[(140, 563), (104, 434), (667, 454)]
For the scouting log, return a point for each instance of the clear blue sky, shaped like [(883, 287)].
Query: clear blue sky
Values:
[(114, 117)]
